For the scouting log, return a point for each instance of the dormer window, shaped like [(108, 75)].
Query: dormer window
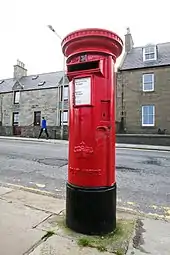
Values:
[(16, 97), (149, 53)]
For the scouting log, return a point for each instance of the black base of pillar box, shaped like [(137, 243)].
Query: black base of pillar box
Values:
[(91, 211)]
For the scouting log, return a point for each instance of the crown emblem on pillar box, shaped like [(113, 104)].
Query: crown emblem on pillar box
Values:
[(83, 150)]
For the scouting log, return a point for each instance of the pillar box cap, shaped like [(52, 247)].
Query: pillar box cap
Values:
[(92, 40)]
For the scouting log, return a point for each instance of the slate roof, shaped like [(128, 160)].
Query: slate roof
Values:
[(134, 59), (50, 80)]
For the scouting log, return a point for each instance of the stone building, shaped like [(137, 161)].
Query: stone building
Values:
[(143, 88), (24, 100)]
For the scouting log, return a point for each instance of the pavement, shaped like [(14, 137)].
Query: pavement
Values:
[(27, 228), (118, 145)]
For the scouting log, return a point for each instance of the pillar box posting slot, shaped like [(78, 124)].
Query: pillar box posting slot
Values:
[(91, 187)]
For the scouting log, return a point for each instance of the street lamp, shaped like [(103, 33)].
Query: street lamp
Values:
[(53, 30), (62, 99)]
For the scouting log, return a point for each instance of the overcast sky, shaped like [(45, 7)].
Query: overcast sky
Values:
[(24, 34)]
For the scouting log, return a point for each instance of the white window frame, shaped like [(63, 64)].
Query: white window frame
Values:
[(16, 117), (63, 96), (65, 121), (16, 97), (65, 89), (149, 124), (144, 83), (150, 52)]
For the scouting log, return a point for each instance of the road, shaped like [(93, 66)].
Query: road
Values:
[(143, 177)]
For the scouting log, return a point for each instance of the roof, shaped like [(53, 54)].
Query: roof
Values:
[(31, 82), (134, 59)]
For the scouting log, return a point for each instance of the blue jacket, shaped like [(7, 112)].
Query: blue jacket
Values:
[(43, 124)]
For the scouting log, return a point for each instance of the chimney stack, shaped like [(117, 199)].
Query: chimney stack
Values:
[(19, 70), (128, 41)]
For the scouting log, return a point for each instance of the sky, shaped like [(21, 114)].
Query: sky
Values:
[(24, 34)]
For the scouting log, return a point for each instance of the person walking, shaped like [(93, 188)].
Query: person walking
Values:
[(43, 128)]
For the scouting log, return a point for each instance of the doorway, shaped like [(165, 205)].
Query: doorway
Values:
[(15, 124)]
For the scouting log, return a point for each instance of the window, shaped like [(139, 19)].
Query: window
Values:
[(148, 115), (37, 118), (65, 94), (41, 83), (64, 117), (149, 53), (148, 82), (15, 118), (16, 97), (35, 77)]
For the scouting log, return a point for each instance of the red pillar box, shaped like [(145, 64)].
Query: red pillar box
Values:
[(91, 186)]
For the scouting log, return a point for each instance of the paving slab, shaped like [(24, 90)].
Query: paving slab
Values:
[(112, 243), (154, 239), (16, 228), (41, 202), (55, 223), (4, 190), (57, 245)]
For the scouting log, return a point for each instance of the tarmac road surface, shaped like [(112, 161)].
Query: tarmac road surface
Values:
[(143, 177)]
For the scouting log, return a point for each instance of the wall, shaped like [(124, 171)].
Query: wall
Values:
[(131, 84), (6, 109), (6, 131), (33, 132), (54, 132), (44, 100), (118, 99), (146, 139)]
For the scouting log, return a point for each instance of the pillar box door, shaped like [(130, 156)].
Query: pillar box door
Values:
[(91, 186)]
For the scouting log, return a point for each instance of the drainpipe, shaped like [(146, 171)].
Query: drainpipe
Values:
[(1, 108), (122, 122)]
